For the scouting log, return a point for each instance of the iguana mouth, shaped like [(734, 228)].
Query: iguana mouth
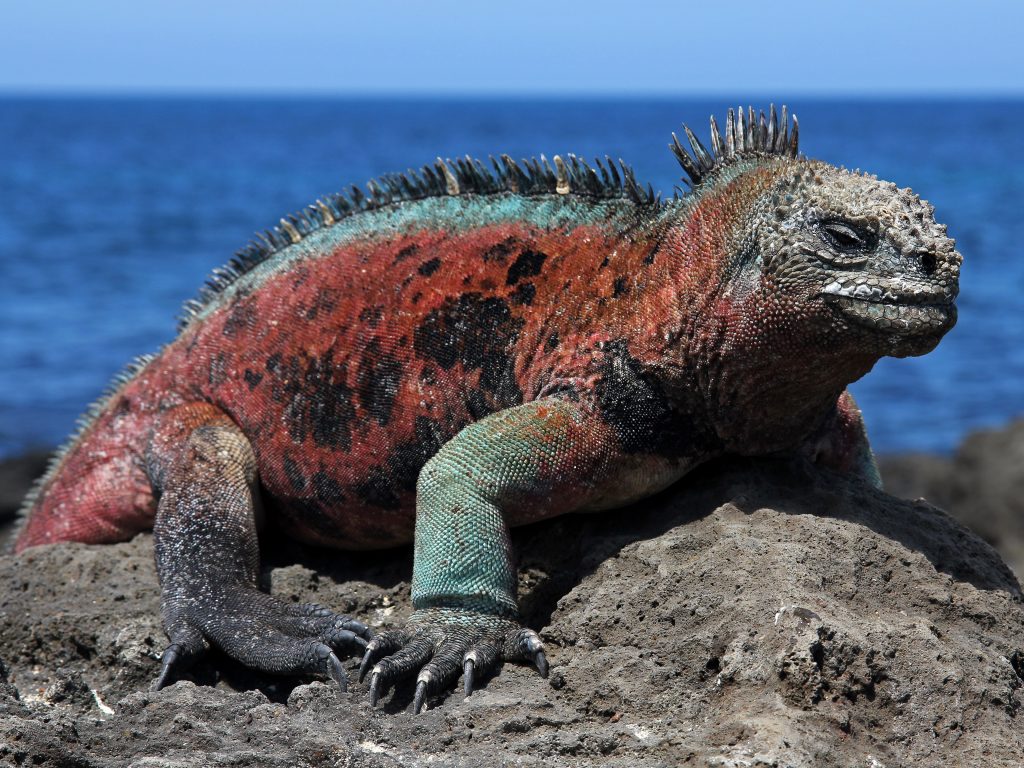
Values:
[(907, 309)]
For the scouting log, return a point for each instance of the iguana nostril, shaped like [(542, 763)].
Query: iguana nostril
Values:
[(927, 263)]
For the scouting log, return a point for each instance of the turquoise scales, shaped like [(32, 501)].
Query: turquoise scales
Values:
[(463, 351)]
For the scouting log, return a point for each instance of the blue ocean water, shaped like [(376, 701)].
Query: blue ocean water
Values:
[(114, 210)]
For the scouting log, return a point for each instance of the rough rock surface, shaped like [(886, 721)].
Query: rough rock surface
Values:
[(982, 485), (759, 614)]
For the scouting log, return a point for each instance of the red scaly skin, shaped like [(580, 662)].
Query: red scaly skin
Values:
[(350, 324)]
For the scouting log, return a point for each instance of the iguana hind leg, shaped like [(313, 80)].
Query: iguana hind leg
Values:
[(208, 559)]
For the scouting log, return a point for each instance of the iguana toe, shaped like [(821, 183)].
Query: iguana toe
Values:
[(441, 643), (477, 662), (341, 633), (526, 645), (187, 645)]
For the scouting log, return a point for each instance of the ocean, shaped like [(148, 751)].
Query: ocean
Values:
[(115, 210)]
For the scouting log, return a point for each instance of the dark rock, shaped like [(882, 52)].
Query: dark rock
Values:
[(982, 485), (16, 477), (17, 474)]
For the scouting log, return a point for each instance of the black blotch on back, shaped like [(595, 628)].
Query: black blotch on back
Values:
[(477, 405), (299, 276), (319, 402), (619, 287), (377, 381), (371, 315), (252, 378), (217, 373), (527, 264), (242, 315), (377, 491), (428, 374), (405, 253), (499, 252), (399, 472), (551, 342), (325, 301), (523, 294), (634, 403), (479, 333), (294, 474), (428, 268), (326, 489)]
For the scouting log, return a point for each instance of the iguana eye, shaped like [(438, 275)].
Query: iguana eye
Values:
[(846, 236)]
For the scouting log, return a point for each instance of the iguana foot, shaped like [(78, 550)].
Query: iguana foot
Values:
[(266, 634), (440, 643)]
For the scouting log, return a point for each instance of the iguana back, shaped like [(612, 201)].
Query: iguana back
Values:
[(360, 337)]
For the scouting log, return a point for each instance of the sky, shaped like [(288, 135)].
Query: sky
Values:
[(641, 47)]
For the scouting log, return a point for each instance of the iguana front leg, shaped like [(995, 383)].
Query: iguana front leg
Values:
[(519, 465), (842, 445)]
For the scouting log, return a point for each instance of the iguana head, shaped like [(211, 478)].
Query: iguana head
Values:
[(867, 255), (837, 255)]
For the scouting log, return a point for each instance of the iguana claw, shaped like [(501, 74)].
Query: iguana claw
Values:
[(421, 694), (468, 672), (335, 670)]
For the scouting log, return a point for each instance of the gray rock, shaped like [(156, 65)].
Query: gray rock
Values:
[(760, 614)]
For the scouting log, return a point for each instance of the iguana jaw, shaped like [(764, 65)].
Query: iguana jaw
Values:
[(902, 307)]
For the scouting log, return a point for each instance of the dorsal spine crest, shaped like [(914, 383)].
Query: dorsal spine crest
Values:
[(746, 135)]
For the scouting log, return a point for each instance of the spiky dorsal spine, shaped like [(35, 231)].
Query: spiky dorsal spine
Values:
[(463, 176), (746, 135)]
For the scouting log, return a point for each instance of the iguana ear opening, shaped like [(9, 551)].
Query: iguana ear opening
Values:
[(746, 135)]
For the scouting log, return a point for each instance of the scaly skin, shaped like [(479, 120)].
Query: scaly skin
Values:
[(476, 354)]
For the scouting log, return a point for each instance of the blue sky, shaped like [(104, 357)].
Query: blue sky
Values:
[(638, 47)]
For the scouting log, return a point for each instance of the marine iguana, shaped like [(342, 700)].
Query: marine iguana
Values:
[(461, 350)]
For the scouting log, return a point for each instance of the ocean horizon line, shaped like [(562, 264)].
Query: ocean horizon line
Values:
[(15, 94)]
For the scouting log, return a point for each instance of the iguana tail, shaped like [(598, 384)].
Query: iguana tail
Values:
[(96, 489)]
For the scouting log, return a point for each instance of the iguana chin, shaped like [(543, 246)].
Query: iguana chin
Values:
[(463, 350)]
